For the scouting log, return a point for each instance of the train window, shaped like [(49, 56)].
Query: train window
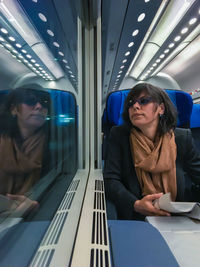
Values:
[(38, 154)]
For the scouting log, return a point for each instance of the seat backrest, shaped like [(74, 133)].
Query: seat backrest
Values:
[(3, 94), (195, 125), (195, 117), (115, 105)]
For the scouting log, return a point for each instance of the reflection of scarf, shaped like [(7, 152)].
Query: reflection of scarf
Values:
[(20, 167), (155, 163)]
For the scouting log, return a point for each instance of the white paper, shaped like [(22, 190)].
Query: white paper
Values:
[(188, 208)]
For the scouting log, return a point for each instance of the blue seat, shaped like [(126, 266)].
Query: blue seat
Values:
[(195, 124), (115, 105), (195, 117)]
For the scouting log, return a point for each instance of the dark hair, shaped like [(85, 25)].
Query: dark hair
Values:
[(8, 122), (168, 120)]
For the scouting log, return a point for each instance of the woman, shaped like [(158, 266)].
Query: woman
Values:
[(147, 156), (23, 141)]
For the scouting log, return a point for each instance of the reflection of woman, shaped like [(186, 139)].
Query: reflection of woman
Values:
[(22, 140), (147, 156)]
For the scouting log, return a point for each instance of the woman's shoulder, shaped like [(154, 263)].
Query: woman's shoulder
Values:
[(181, 132), (120, 130), (182, 136)]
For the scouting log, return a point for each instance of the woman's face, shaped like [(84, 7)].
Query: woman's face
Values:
[(30, 117), (145, 114)]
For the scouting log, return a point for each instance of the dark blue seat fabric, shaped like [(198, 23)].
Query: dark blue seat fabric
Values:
[(64, 104), (115, 105), (195, 117), (195, 124), (3, 93)]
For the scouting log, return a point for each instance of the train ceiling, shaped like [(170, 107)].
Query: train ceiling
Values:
[(129, 36)]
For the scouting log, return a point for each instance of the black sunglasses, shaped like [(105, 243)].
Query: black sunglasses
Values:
[(141, 101), (32, 99)]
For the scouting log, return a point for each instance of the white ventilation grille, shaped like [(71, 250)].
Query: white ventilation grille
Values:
[(43, 258), (47, 247), (99, 229), (53, 233), (92, 243), (99, 258)]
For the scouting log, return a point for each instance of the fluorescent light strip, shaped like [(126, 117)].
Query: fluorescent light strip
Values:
[(9, 48), (154, 22), (177, 50), (16, 16), (161, 33)]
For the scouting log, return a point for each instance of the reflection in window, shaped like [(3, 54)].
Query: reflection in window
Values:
[(38, 151)]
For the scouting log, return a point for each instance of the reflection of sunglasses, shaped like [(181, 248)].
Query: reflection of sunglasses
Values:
[(142, 101), (32, 99)]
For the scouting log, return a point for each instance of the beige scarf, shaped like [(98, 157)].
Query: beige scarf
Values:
[(155, 163), (20, 167)]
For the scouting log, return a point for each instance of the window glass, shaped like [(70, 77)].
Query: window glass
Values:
[(38, 153)]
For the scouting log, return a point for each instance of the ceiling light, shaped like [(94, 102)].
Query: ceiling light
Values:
[(141, 17), (177, 38), (12, 39), (8, 45), (135, 32), (50, 33), (4, 30), (192, 21), (56, 44), (18, 45), (2, 39), (166, 51), (131, 44), (42, 17), (171, 45), (184, 30)]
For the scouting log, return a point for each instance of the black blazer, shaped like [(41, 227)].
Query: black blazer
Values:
[(121, 183)]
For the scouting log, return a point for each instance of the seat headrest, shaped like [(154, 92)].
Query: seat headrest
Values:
[(195, 117), (182, 101)]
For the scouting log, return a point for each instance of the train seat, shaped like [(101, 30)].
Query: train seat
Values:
[(195, 124), (115, 104), (113, 116)]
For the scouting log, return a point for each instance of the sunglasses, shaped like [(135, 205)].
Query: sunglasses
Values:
[(142, 101), (31, 99)]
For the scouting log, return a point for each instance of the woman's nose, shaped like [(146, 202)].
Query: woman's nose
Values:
[(136, 105), (38, 106)]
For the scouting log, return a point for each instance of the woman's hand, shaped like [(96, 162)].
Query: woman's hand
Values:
[(145, 206), (22, 204)]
